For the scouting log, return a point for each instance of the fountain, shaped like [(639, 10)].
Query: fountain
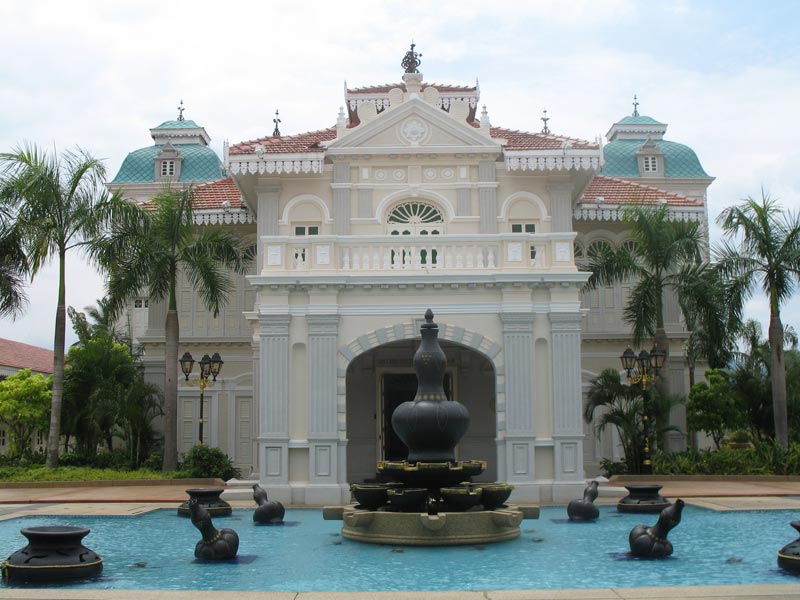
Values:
[(652, 542), (429, 500)]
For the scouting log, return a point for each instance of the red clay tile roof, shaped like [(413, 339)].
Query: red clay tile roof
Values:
[(386, 87), (621, 191), (24, 356), (523, 140), (311, 141), (212, 195), (302, 142)]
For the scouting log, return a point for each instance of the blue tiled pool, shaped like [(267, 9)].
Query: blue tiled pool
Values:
[(156, 551)]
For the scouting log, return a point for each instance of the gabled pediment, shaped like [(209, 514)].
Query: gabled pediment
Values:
[(414, 126)]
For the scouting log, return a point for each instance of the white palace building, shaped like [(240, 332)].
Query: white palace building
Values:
[(413, 200)]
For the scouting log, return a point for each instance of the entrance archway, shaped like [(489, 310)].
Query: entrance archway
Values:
[(378, 380)]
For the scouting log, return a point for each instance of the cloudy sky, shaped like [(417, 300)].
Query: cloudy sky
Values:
[(724, 75)]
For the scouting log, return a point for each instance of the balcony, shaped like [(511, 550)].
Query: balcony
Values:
[(445, 254)]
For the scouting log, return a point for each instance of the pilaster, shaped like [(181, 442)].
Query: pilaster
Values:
[(519, 449), (487, 196), (561, 206), (273, 437), (268, 215), (567, 405), (341, 199), (323, 331)]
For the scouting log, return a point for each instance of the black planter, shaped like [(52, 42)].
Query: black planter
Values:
[(408, 499), (643, 498), (53, 552), (430, 425), (370, 496), (789, 555), (461, 498), (494, 495), (209, 499)]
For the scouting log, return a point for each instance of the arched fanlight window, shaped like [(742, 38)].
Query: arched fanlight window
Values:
[(597, 247), (415, 218)]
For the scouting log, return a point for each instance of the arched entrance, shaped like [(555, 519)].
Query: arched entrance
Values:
[(382, 378)]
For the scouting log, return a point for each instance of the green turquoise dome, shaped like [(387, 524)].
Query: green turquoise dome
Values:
[(200, 163), (621, 161), (178, 125)]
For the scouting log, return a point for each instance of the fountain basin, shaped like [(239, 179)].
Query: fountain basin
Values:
[(422, 529), (53, 552), (209, 499)]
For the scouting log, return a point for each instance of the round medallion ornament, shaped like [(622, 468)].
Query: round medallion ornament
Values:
[(399, 174), (380, 174), (447, 173), (414, 131), (430, 173)]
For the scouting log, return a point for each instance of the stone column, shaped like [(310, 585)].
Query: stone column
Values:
[(323, 333), (519, 401), (567, 406), (273, 439)]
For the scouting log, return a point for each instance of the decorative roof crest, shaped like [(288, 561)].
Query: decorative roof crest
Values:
[(411, 60), (180, 111), (276, 132), (635, 106), (545, 119)]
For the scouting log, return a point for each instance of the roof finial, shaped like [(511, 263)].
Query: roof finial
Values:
[(545, 119), (635, 106), (180, 111), (276, 120), (411, 60)]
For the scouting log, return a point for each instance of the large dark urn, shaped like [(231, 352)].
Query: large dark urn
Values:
[(53, 552), (430, 425), (209, 499), (789, 555), (643, 498), (268, 512), (584, 509), (217, 544), (652, 542)]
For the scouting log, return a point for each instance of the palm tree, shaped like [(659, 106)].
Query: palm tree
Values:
[(57, 204), (146, 251), (665, 254), (13, 267), (762, 249)]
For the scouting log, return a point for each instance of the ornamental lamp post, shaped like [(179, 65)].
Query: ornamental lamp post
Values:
[(644, 369), (208, 367)]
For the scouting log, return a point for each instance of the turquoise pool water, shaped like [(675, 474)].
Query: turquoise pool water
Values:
[(156, 551)]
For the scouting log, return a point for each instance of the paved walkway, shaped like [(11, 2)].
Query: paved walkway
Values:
[(130, 499)]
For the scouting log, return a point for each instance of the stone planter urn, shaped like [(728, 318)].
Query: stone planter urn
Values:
[(53, 552)]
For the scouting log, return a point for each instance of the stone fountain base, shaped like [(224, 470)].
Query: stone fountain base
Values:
[(422, 529)]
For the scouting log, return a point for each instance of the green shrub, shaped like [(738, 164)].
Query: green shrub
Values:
[(116, 459), (41, 473), (740, 436), (764, 458), (611, 467), (154, 462), (205, 461)]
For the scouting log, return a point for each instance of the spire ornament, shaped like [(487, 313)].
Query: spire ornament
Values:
[(635, 106), (180, 111), (411, 60), (276, 132), (545, 119)]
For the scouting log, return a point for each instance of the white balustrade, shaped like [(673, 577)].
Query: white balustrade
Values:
[(384, 254)]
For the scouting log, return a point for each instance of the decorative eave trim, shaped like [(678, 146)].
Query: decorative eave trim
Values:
[(614, 213), (277, 163), (381, 99), (222, 217), (553, 160)]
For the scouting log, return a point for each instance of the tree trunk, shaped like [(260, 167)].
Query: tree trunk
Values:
[(662, 341), (778, 376), (59, 343), (171, 333)]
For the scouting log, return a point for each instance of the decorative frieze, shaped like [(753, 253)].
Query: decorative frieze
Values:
[(616, 213), (560, 161)]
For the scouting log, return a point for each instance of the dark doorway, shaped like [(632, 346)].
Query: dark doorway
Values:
[(397, 388)]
